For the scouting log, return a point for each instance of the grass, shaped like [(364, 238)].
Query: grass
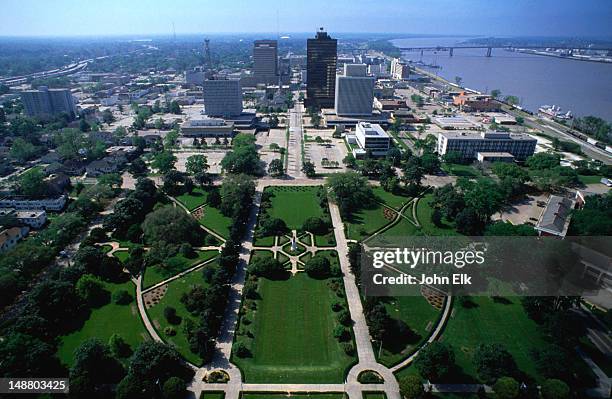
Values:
[(172, 298), (122, 255), (328, 240), (584, 179), (374, 395), (293, 334), (106, 248), (460, 170), (264, 241), (261, 253), (298, 395), (212, 395), (487, 321), (423, 213), (157, 273), (105, 321), (191, 201), (394, 201), (294, 205), (419, 315), (366, 221), (216, 221)]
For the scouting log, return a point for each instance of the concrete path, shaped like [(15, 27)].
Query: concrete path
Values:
[(294, 156), (179, 275)]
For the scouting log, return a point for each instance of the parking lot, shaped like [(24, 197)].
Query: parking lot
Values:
[(329, 151)]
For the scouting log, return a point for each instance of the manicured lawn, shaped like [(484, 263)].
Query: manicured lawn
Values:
[(419, 315), (297, 395), (392, 200), (461, 170), (121, 255), (155, 274), (260, 253), (401, 229), (264, 241), (590, 179), (293, 334), (106, 321), (486, 321), (193, 200), (294, 205), (216, 221), (172, 298), (424, 211), (365, 222), (328, 240), (106, 248), (212, 395), (374, 395)]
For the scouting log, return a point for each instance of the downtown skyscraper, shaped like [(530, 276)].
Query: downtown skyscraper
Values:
[(321, 60)]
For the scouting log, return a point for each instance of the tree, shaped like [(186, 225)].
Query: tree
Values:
[(555, 389), (107, 116), (512, 100), (501, 229), (350, 191), (23, 150), (118, 346), (172, 225), (175, 108), (309, 169), (413, 172), (243, 158), (411, 387), (266, 267), (506, 388), (138, 168), (164, 161), (84, 126), (113, 180), (196, 164), (493, 361), (595, 218), (55, 300), (316, 226), (172, 179), (551, 361), (170, 139), (271, 226), (32, 184), (23, 354), (276, 168), (174, 388), (94, 360), (318, 267), (91, 290), (495, 93), (435, 361), (458, 80), (154, 360), (543, 160), (236, 195)]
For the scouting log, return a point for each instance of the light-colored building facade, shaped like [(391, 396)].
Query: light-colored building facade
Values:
[(45, 103), (207, 127), (34, 218), (371, 137), (222, 98), (470, 144), (21, 203), (354, 91), (399, 70), (10, 237)]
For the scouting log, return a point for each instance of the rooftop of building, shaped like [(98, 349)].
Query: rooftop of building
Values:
[(556, 216), (490, 135), (371, 129)]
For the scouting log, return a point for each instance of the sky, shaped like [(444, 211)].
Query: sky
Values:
[(461, 17)]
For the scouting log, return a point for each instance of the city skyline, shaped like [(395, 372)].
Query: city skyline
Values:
[(544, 18)]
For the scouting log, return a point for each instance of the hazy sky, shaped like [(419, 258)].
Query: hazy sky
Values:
[(135, 17)]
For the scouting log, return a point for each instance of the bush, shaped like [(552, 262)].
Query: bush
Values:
[(341, 334), (217, 377), (92, 291), (318, 267), (170, 331), (241, 350), (266, 267), (174, 388), (555, 389), (344, 317), (119, 347), (187, 251), (411, 387), (171, 316), (122, 297), (506, 388), (348, 348), (337, 306), (370, 377), (315, 225)]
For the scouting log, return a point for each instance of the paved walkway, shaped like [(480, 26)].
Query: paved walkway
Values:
[(294, 156)]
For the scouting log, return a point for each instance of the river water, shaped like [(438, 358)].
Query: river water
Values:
[(583, 87)]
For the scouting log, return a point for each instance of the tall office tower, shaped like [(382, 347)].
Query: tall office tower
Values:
[(45, 103), (399, 70), (321, 60), (222, 97), (265, 61), (354, 91)]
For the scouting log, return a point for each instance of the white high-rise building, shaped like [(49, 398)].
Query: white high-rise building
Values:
[(399, 70), (354, 91), (222, 98)]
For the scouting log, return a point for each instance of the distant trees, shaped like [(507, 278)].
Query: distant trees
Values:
[(32, 184), (595, 218), (171, 225)]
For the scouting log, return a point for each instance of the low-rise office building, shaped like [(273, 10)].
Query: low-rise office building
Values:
[(34, 218), (468, 144), (207, 127), (370, 137)]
